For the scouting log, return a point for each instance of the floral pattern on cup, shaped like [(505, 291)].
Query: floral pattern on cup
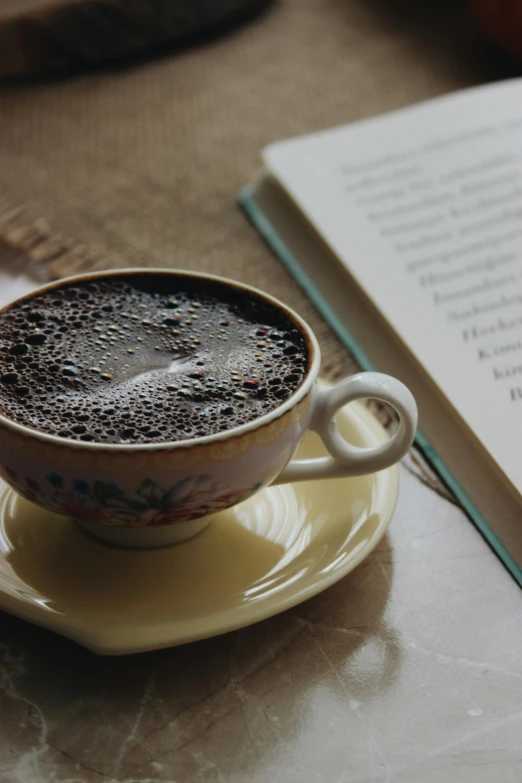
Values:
[(149, 505)]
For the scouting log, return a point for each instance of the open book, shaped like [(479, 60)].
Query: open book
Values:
[(406, 232)]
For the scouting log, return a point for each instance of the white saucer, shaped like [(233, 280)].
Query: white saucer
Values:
[(273, 551)]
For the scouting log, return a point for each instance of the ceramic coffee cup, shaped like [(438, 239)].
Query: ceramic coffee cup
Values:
[(153, 494)]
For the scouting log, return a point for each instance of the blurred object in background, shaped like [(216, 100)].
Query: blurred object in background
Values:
[(502, 21), (58, 36)]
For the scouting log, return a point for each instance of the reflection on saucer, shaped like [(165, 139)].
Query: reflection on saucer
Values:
[(280, 547)]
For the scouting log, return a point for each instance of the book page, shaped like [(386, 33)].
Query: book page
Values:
[(424, 207)]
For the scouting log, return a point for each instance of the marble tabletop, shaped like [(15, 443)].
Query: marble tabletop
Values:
[(408, 670)]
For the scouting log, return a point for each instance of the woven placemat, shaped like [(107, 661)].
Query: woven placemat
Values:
[(141, 166)]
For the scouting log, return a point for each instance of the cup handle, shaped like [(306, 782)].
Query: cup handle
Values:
[(346, 459)]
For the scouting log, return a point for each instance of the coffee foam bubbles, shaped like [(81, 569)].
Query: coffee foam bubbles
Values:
[(145, 359)]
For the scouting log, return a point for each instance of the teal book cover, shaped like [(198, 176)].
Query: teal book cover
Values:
[(292, 264)]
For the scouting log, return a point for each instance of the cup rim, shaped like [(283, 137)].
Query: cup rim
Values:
[(299, 394)]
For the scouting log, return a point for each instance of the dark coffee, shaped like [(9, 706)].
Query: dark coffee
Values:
[(145, 358)]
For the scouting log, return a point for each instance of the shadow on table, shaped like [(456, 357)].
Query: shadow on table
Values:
[(230, 702), (111, 38)]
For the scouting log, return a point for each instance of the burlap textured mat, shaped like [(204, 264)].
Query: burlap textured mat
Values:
[(142, 166)]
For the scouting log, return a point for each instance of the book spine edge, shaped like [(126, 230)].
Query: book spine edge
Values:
[(290, 262)]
